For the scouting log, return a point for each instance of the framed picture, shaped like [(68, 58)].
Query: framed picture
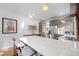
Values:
[(9, 26)]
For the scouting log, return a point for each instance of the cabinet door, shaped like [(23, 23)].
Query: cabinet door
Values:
[(40, 27), (77, 21)]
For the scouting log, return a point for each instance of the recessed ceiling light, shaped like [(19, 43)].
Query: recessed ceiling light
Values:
[(45, 7), (30, 16)]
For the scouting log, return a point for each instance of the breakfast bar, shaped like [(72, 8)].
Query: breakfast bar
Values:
[(51, 47)]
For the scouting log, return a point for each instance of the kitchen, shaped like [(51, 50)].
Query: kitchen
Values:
[(39, 29)]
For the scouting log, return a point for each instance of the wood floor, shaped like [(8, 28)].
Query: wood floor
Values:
[(11, 51), (8, 52)]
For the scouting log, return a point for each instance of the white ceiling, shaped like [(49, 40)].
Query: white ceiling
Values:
[(26, 9)]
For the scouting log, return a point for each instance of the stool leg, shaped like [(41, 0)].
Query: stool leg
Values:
[(34, 54), (19, 48)]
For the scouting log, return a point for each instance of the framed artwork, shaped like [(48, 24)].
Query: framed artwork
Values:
[(9, 26)]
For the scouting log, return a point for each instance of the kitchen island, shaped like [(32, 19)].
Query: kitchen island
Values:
[(51, 47)]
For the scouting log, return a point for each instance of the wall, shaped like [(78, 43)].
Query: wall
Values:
[(31, 21), (6, 39)]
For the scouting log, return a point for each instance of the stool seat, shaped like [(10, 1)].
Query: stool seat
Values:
[(20, 44)]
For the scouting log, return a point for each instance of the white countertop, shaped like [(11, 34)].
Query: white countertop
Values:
[(51, 47)]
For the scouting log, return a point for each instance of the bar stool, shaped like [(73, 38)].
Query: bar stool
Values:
[(20, 45), (17, 47)]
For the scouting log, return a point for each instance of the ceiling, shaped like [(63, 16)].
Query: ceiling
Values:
[(34, 9)]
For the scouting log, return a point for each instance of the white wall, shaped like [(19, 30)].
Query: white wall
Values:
[(6, 39)]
